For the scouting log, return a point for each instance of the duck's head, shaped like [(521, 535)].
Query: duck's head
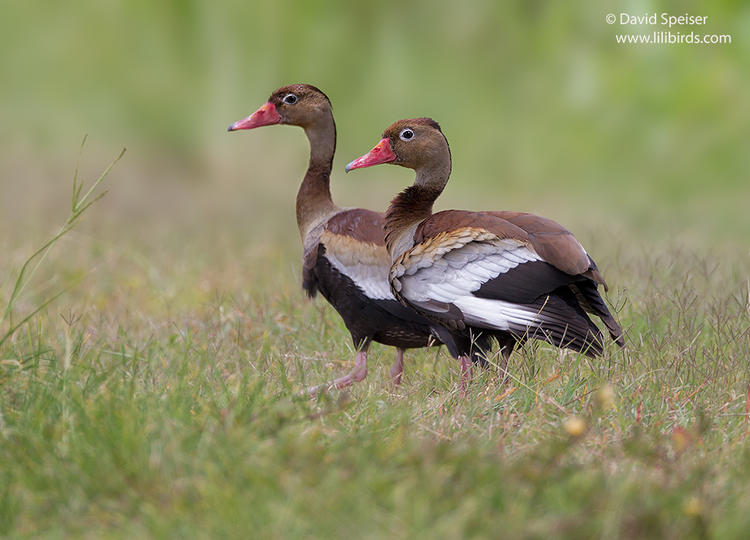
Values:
[(415, 143), (297, 104)]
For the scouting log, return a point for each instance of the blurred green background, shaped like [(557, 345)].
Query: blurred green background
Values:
[(152, 398), (544, 112)]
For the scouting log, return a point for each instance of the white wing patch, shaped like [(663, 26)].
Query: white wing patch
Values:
[(365, 264), (484, 312), (450, 267), (373, 280)]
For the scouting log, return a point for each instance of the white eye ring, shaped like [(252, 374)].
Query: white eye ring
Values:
[(290, 99), (406, 134)]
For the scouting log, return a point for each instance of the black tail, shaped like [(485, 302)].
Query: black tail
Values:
[(563, 323), (590, 299)]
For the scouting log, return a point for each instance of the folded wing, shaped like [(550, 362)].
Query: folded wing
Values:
[(486, 273)]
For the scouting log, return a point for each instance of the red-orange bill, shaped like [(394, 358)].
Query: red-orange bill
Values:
[(265, 116), (382, 153)]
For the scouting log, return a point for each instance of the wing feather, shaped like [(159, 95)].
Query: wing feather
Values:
[(364, 263), (472, 277)]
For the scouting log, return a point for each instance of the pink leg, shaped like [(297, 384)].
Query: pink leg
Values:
[(357, 374), (398, 367), (467, 373)]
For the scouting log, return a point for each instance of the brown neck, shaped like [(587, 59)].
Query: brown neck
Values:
[(314, 201), (409, 208), (414, 204)]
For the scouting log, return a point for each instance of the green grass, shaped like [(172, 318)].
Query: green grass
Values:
[(159, 398)]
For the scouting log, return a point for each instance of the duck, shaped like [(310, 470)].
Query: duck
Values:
[(511, 276), (344, 257)]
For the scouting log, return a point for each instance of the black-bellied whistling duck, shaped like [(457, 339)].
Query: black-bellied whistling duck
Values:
[(344, 255), (512, 275)]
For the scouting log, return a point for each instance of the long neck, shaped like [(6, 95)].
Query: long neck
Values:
[(314, 201), (407, 210), (413, 205)]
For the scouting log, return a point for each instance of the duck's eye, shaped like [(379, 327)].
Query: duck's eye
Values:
[(406, 134), (290, 99)]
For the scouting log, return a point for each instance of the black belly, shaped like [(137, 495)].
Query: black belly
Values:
[(384, 321)]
